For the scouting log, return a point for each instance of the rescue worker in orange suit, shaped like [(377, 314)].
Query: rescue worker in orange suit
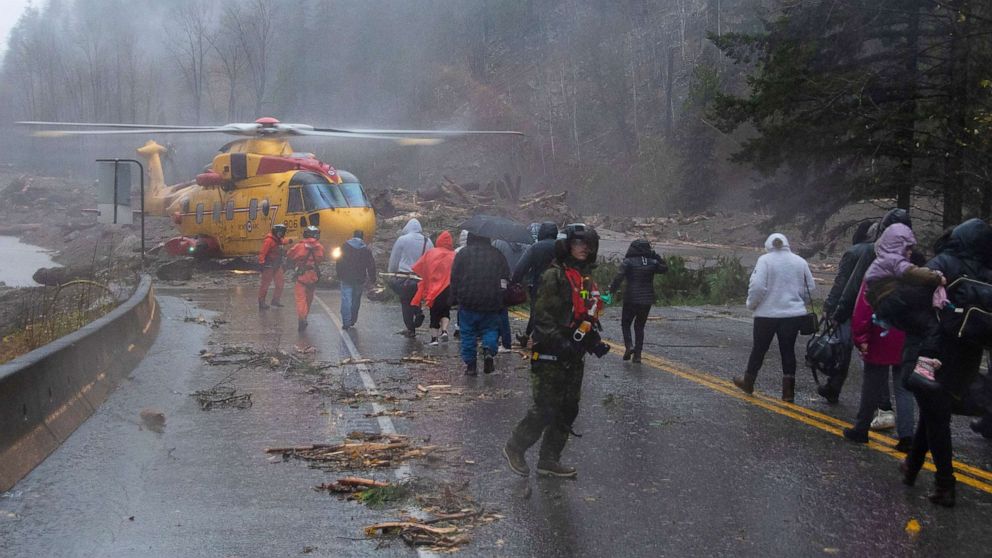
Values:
[(271, 259), (306, 256)]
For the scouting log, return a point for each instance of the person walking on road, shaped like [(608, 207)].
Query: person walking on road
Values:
[(479, 277), (270, 258), (355, 267), (409, 247), (638, 269), (434, 269), (566, 325), (533, 262), (306, 255), (881, 351), (781, 286)]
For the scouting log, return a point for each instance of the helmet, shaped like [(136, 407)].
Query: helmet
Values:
[(279, 229), (577, 231), (311, 232)]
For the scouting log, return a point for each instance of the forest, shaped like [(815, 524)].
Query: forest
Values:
[(641, 107)]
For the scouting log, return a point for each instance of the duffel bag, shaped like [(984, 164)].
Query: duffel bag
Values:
[(826, 352)]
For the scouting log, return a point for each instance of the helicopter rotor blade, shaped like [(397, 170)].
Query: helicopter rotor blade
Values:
[(63, 133), (354, 135), (428, 133), (104, 125)]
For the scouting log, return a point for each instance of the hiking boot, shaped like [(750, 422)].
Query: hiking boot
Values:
[(488, 364), (555, 469), (788, 389), (516, 460), (905, 445), (262, 305), (942, 495), (301, 325), (523, 340), (853, 435), (746, 383), (628, 353), (636, 359), (922, 377), (471, 369), (884, 420), (277, 304), (829, 394)]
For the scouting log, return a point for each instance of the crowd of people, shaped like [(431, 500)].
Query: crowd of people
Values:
[(888, 302)]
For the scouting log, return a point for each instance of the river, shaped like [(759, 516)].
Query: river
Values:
[(20, 261)]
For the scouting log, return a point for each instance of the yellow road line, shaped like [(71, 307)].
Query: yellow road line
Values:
[(880, 443)]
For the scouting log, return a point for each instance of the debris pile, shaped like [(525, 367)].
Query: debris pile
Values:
[(222, 396), (245, 356), (360, 450)]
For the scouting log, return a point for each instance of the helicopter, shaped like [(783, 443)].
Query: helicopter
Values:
[(255, 182)]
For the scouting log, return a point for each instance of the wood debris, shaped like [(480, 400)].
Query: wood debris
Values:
[(360, 450)]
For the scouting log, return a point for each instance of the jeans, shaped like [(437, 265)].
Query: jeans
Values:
[(474, 325), (786, 330), (351, 301), (405, 289), (874, 387), (504, 328), (636, 314)]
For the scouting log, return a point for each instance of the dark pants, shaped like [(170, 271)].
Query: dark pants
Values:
[(505, 336), (440, 308), (557, 388), (786, 330), (530, 319), (405, 289), (836, 382), (933, 433), (875, 395), (638, 315)]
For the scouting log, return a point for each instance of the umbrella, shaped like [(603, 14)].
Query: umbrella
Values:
[(500, 228)]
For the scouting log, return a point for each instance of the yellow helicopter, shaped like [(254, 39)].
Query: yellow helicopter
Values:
[(257, 182)]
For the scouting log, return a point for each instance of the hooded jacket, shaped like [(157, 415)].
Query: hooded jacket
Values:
[(848, 261), (434, 269), (639, 267), (882, 350), (356, 263), (781, 284), (479, 276), (512, 251), (408, 248), (891, 266), (537, 257)]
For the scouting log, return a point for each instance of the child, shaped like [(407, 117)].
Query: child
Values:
[(885, 281)]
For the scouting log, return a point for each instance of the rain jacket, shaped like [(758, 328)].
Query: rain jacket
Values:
[(553, 312), (479, 276), (272, 253), (307, 255), (537, 257), (434, 269), (884, 351), (512, 251), (848, 261), (892, 266), (356, 263), (408, 248), (639, 267), (781, 283)]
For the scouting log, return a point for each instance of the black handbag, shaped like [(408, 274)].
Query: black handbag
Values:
[(810, 323), (826, 352)]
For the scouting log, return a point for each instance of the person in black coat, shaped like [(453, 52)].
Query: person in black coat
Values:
[(638, 268), (967, 253), (534, 261)]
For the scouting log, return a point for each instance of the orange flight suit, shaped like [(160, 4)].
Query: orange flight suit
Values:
[(270, 257), (306, 255)]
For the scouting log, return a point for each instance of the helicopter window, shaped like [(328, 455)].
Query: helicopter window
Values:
[(185, 205), (199, 213), (218, 209), (354, 194), (265, 207), (252, 210), (229, 211), (323, 196), (295, 201)]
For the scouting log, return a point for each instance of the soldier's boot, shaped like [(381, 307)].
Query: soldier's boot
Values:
[(746, 383), (546, 468), (516, 460), (788, 389)]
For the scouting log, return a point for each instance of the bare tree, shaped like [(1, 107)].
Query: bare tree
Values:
[(188, 42)]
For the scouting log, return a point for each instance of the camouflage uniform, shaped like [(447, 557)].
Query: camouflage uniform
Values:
[(556, 385)]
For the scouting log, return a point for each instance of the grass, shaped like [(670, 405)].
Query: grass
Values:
[(383, 496), (44, 331), (722, 283)]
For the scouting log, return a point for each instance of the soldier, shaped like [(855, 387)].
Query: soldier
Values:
[(270, 258), (566, 326), (307, 256)]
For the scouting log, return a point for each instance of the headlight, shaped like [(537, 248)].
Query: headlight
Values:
[(336, 253)]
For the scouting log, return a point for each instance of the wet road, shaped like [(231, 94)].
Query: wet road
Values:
[(672, 461)]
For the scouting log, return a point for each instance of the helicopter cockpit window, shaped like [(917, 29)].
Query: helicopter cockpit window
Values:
[(252, 210), (295, 201), (354, 194), (318, 193), (199, 213)]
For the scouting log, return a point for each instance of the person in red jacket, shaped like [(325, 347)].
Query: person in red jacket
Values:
[(307, 256), (434, 269), (270, 257), (881, 351)]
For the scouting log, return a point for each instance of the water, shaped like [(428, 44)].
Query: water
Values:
[(20, 261)]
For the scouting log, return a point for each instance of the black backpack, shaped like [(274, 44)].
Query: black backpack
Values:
[(826, 352)]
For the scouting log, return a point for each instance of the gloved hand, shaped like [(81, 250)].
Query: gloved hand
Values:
[(606, 297), (568, 350)]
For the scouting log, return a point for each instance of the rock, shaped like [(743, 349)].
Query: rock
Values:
[(54, 276), (176, 270)]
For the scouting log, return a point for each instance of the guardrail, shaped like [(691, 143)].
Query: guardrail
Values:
[(47, 393)]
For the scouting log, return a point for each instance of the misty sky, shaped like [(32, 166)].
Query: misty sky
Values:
[(10, 10)]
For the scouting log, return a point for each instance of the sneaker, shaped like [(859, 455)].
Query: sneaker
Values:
[(503, 349), (277, 304), (516, 460), (855, 436), (488, 364), (905, 445), (456, 334), (555, 469), (884, 420), (444, 337), (471, 369), (434, 342), (410, 334)]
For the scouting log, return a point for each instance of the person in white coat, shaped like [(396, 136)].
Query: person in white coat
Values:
[(781, 286)]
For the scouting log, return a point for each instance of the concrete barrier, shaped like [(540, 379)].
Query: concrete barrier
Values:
[(46, 394)]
